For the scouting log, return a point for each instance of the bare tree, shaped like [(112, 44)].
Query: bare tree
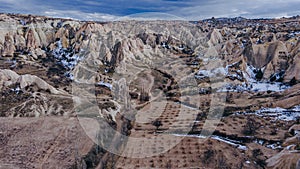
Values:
[(222, 162), (258, 157), (250, 127), (157, 124), (169, 165), (208, 156)]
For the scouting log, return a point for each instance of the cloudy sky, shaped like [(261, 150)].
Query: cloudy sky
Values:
[(186, 9)]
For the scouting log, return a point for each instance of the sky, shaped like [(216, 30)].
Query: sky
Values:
[(108, 10)]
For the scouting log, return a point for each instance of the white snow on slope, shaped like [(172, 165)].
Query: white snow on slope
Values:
[(225, 140), (255, 87), (105, 84), (252, 84), (68, 59), (277, 113)]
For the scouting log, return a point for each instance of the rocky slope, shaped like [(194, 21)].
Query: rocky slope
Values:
[(59, 67)]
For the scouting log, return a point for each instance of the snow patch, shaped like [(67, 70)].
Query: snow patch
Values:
[(277, 113), (274, 146), (230, 142), (290, 147), (12, 62), (105, 84), (16, 90), (67, 58), (217, 72), (225, 140), (260, 142), (251, 83), (23, 22)]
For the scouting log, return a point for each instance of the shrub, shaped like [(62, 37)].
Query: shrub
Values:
[(273, 131), (297, 146), (157, 124), (207, 156), (259, 74), (257, 156), (293, 81), (250, 127), (222, 162)]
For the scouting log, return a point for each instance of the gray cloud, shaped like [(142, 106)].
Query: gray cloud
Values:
[(80, 15), (249, 9), (188, 9)]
